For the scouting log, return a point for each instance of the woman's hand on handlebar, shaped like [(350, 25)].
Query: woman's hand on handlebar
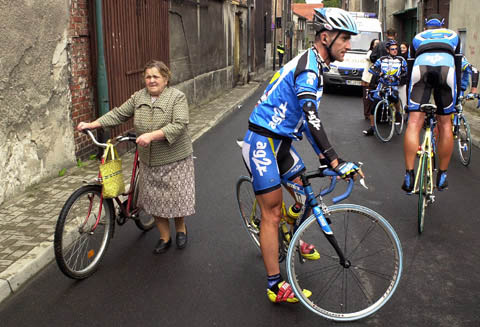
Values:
[(83, 126)]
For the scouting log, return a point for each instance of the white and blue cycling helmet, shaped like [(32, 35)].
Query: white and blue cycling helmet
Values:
[(334, 19)]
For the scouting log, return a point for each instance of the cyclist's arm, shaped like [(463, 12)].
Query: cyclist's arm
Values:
[(403, 69), (376, 68), (474, 80), (306, 90)]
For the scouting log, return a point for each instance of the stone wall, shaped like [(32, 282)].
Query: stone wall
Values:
[(36, 135)]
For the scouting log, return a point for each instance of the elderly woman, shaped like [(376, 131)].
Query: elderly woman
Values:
[(167, 185)]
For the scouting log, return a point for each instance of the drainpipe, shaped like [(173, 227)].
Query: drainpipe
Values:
[(102, 84), (249, 59), (275, 36)]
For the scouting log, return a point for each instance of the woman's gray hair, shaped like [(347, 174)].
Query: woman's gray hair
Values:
[(161, 67)]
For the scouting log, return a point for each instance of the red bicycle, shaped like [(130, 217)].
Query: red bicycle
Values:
[(86, 222)]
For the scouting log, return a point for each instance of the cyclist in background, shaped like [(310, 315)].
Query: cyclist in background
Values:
[(391, 70), (287, 109), (468, 71), (434, 69)]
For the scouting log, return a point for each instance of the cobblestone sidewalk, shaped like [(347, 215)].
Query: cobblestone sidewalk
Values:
[(28, 220)]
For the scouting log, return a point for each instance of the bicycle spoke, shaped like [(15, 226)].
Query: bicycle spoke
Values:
[(361, 287), (374, 272)]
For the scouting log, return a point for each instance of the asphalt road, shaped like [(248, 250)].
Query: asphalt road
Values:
[(219, 279)]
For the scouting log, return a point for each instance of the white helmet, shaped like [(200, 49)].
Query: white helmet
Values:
[(334, 19)]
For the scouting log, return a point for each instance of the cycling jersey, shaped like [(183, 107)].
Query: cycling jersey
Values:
[(390, 69), (434, 69), (287, 109), (289, 105)]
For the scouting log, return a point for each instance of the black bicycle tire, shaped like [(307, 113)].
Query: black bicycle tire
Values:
[(422, 192), (378, 127), (252, 229), (139, 221), (361, 258), (464, 160), (399, 130), (58, 242)]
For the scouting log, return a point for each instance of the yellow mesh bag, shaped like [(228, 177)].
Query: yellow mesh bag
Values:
[(111, 172)]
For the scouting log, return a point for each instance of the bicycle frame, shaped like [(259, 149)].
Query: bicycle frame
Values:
[(306, 195), (428, 149)]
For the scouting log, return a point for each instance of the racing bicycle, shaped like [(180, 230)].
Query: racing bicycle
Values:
[(86, 222), (424, 184), (461, 131), (385, 118), (360, 265)]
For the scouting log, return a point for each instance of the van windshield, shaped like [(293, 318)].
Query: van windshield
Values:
[(361, 42)]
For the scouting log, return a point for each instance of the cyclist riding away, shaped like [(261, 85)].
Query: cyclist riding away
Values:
[(287, 109), (468, 71), (434, 69), (391, 70)]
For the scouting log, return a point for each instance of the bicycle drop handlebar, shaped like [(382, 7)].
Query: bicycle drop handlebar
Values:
[(333, 183)]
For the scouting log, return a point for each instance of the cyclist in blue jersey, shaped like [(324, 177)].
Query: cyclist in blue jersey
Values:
[(436, 69), (390, 69), (287, 110)]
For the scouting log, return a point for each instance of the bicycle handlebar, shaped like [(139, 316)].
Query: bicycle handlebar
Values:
[(333, 182), (118, 139)]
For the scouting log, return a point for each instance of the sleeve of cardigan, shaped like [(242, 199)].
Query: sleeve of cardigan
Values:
[(179, 123), (118, 115)]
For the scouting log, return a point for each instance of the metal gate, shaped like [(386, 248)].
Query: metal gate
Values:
[(134, 32)]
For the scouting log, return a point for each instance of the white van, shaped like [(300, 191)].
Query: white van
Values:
[(349, 72)]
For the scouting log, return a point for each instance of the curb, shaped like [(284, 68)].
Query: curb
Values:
[(39, 257)]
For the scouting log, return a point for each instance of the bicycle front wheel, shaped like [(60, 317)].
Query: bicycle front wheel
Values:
[(81, 238), (464, 141), (384, 121), (346, 293), (249, 208), (400, 122), (143, 220), (423, 187)]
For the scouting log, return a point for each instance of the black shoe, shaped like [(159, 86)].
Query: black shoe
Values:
[(369, 132), (182, 239), (408, 182), (162, 246)]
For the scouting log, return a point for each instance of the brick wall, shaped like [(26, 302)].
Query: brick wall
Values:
[(83, 108)]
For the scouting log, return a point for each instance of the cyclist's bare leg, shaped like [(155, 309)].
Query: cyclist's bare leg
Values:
[(412, 138), (445, 141), (163, 227), (271, 209)]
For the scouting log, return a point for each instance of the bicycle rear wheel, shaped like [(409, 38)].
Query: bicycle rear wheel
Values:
[(249, 208), (464, 141), (399, 125), (423, 187), (143, 220), (79, 242), (384, 121), (341, 293)]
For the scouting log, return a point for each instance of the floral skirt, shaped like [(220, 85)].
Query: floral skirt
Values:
[(168, 191)]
